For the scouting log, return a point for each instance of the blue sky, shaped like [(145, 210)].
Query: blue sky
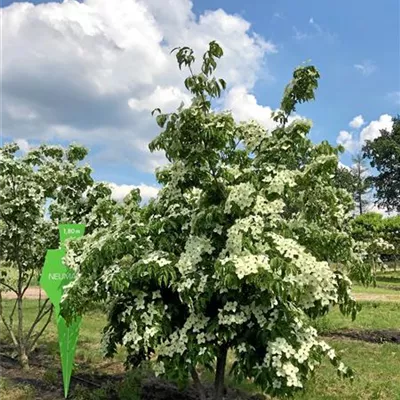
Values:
[(354, 44)]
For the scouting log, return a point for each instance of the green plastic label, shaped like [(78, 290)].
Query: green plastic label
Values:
[(55, 276)]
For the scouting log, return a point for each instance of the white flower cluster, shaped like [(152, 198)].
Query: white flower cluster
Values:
[(177, 342), (252, 133), (314, 277), (234, 243), (241, 195), (281, 179), (381, 244), (229, 314), (195, 247), (193, 196), (248, 264), (284, 358), (157, 257)]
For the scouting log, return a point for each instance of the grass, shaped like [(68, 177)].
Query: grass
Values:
[(376, 366), (10, 391), (377, 373), (373, 316), (88, 347)]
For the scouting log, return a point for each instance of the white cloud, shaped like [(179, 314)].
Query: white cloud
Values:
[(23, 145), (167, 98), (120, 191), (372, 130), (278, 15), (92, 71), (357, 122), (353, 143), (367, 67), (316, 31), (244, 107), (341, 165), (346, 139)]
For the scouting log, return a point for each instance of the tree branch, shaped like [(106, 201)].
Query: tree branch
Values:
[(28, 283), (38, 318), (33, 344), (9, 330), (12, 314), (9, 287)]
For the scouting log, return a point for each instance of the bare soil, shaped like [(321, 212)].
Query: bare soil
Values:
[(34, 291), (372, 336), (377, 297), (46, 380), (31, 293)]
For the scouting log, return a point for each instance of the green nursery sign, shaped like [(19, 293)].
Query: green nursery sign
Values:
[(55, 276)]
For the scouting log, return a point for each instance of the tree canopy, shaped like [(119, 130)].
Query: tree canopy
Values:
[(246, 243), (384, 155), (39, 190)]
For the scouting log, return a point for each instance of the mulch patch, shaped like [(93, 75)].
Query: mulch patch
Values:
[(372, 336), (390, 287), (151, 388)]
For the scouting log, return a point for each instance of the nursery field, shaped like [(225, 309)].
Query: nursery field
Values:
[(370, 345)]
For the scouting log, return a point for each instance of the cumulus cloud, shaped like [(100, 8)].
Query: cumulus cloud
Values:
[(366, 68), (23, 145), (91, 71), (244, 107), (120, 191), (357, 122), (373, 129), (346, 139), (353, 143)]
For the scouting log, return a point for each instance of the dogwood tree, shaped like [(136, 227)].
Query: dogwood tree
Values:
[(246, 243), (39, 190)]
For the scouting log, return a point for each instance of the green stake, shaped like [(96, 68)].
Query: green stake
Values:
[(55, 276)]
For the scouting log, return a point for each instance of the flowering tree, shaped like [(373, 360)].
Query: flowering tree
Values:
[(377, 237), (48, 174), (246, 243)]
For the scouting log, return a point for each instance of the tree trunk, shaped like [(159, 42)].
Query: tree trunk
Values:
[(198, 385), (220, 373), (22, 356)]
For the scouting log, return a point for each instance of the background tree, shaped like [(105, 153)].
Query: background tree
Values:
[(246, 243), (362, 182), (345, 179), (384, 155), (29, 226), (356, 181), (379, 237)]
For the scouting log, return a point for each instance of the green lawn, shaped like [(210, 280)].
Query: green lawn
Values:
[(377, 366), (374, 290), (373, 315)]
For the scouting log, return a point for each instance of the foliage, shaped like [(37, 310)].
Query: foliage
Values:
[(236, 253), (384, 155), (356, 181), (379, 236), (39, 190), (363, 183), (345, 179)]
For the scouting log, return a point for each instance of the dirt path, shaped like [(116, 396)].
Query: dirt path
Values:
[(33, 293), (377, 297)]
